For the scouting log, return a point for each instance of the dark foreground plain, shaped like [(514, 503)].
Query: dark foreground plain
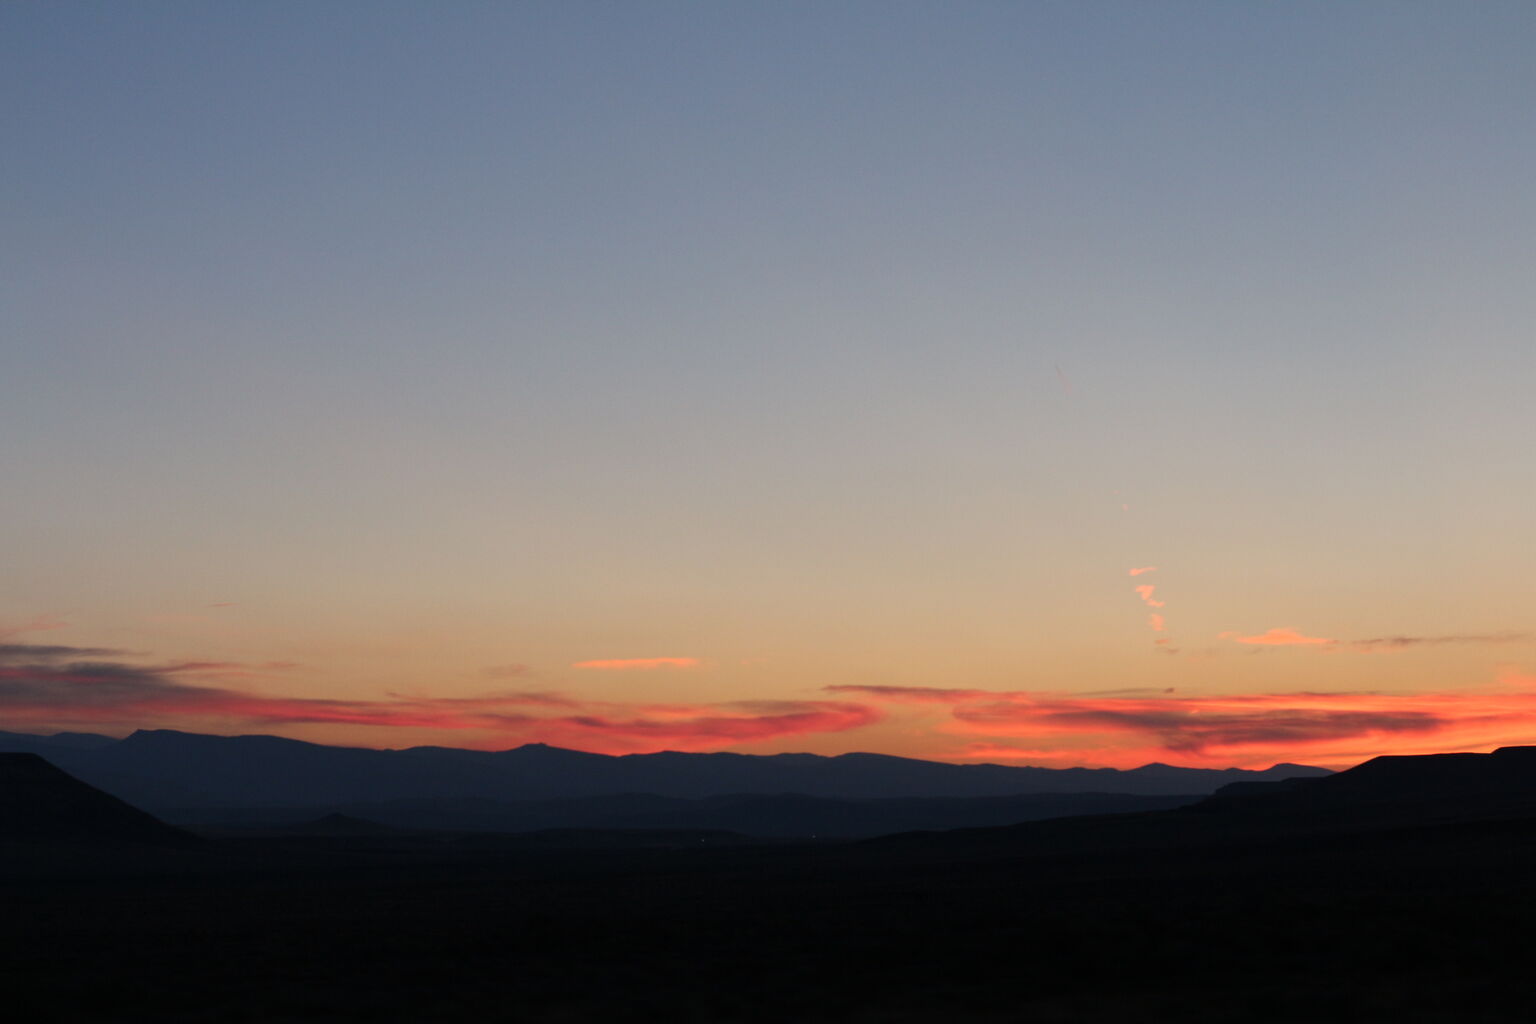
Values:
[(1407, 904)]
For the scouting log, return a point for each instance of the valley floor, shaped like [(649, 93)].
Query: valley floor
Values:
[(1430, 923)]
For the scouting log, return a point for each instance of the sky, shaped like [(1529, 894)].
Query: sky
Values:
[(1039, 383)]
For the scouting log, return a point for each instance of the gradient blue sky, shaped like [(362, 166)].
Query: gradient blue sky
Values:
[(827, 344)]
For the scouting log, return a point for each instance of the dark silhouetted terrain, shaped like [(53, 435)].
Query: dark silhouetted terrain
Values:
[(776, 816), (41, 804), (1401, 890)]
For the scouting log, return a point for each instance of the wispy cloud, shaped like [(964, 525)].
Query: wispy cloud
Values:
[(1284, 636), (1065, 381), (1143, 569), (1401, 642), (36, 624), (52, 652), (1156, 622), (1145, 592), (636, 664), (703, 728), (1288, 637)]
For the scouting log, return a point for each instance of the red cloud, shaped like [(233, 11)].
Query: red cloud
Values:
[(1284, 637), (637, 664), (38, 686), (707, 727), (1251, 729), (1195, 726), (1145, 592)]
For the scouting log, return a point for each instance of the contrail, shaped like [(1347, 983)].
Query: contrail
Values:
[(1066, 384)]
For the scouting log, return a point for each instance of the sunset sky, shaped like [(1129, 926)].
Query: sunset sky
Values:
[(1043, 383)]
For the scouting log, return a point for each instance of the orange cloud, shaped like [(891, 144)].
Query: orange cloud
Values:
[(637, 664), (1156, 622), (1284, 637), (1148, 568), (1144, 591)]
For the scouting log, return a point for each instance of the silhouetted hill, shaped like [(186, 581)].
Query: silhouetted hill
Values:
[(1399, 793), (40, 803), (1426, 786), (161, 769)]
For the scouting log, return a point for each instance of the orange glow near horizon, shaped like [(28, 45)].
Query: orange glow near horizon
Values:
[(1242, 730), (1241, 711)]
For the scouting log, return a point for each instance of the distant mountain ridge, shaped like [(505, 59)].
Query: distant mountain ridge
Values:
[(165, 769)]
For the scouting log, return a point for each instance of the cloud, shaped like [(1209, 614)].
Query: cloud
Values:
[(1061, 376), (1287, 637), (1143, 569), (1283, 637), (36, 624), (1182, 728), (52, 652), (1400, 642), (1156, 622), (39, 685), (506, 671), (637, 664), (1144, 591), (707, 728), (1243, 729)]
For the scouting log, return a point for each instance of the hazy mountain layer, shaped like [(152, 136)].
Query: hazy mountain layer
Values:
[(161, 769)]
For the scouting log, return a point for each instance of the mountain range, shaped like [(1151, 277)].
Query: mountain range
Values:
[(190, 778), (1392, 891)]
